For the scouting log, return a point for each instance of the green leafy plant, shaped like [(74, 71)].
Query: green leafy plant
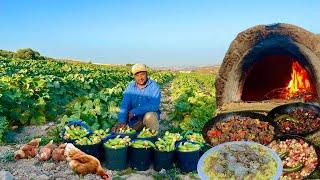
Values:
[(194, 100), (7, 157), (4, 126)]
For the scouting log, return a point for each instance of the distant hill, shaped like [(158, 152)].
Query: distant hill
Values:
[(201, 69), (208, 69)]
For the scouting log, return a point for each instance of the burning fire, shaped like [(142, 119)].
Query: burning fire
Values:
[(299, 86), (299, 82)]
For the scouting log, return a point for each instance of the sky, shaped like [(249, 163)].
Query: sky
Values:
[(163, 33)]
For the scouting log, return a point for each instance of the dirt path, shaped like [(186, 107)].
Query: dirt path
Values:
[(166, 105), (166, 108)]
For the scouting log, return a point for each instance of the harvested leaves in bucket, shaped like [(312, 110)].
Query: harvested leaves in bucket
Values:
[(117, 142), (142, 144), (188, 147), (147, 133), (165, 145)]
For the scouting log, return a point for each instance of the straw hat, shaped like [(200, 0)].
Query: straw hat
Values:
[(138, 68)]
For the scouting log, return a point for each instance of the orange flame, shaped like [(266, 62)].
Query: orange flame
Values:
[(299, 80)]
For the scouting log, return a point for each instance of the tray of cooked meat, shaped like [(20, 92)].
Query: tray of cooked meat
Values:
[(296, 118), (239, 126)]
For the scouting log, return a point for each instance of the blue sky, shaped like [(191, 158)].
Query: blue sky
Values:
[(158, 33)]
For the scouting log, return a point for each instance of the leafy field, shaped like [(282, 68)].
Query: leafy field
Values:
[(38, 91), (194, 100)]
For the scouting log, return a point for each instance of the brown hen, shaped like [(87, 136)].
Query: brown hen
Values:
[(28, 150), (83, 164), (46, 151), (58, 153)]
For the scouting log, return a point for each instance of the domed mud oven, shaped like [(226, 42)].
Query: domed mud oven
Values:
[(269, 65)]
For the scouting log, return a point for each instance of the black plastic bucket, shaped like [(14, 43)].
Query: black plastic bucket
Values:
[(163, 160), (94, 150), (116, 159), (140, 158), (187, 161)]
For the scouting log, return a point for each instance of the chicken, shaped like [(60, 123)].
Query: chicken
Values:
[(82, 163), (28, 150), (46, 151), (58, 153)]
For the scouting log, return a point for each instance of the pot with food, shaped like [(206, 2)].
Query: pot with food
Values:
[(239, 126), (296, 118), (299, 157)]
